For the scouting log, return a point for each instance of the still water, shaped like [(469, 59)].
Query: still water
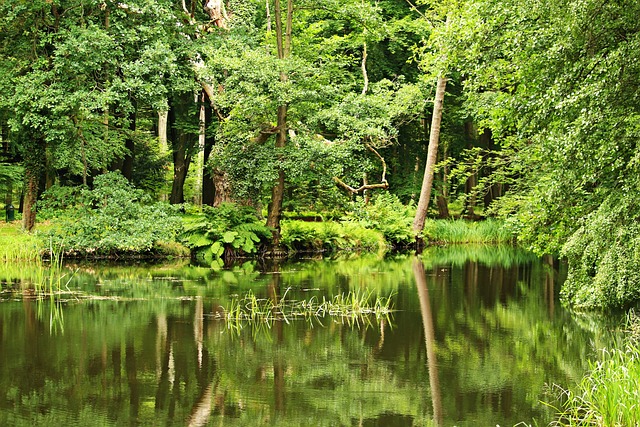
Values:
[(477, 338)]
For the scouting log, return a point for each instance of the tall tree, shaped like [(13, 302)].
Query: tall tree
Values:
[(432, 155), (283, 41)]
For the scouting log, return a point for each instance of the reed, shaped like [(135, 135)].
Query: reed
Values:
[(355, 307)]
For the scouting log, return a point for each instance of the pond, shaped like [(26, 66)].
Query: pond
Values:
[(476, 338)]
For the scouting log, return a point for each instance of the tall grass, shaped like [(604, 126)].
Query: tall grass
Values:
[(609, 395), (489, 230), (16, 245)]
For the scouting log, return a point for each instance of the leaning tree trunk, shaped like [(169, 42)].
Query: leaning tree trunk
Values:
[(434, 137)]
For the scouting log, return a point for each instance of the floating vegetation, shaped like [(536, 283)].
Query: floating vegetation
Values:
[(357, 308)]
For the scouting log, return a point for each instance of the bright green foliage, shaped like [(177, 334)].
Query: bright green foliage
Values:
[(489, 230), (331, 120), (386, 214), (116, 218), (230, 227), (60, 201), (557, 85), (605, 252), (331, 236)]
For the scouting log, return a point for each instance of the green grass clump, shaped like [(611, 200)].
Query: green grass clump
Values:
[(609, 395), (489, 230), (355, 307), (16, 245)]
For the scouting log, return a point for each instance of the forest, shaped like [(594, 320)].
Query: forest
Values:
[(243, 124)]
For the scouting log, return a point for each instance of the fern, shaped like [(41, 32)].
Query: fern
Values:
[(228, 227)]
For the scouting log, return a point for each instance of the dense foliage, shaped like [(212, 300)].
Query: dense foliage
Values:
[(307, 106), (114, 218)]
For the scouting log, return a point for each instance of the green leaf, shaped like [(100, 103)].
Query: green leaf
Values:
[(229, 236), (217, 249)]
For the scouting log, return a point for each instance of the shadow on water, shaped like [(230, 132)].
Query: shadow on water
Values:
[(143, 345)]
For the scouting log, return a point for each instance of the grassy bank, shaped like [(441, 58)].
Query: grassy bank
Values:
[(609, 395), (16, 245), (462, 231)]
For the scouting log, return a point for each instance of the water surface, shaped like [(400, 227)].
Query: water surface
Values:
[(477, 339)]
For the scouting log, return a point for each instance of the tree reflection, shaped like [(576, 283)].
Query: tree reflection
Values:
[(429, 339)]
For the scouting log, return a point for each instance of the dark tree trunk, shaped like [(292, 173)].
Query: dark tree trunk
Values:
[(182, 115), (442, 199), (222, 193), (208, 189), (277, 192), (129, 143), (495, 189), (30, 197)]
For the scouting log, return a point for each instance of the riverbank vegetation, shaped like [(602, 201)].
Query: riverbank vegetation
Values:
[(609, 394), (376, 117)]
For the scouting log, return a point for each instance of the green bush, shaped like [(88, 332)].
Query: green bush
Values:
[(387, 214), (229, 227), (115, 218), (330, 236), (57, 200)]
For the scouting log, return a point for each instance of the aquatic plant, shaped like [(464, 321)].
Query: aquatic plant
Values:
[(355, 307)]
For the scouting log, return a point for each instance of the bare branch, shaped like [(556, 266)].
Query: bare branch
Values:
[(383, 182)]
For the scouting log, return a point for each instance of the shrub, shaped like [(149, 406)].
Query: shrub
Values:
[(387, 214), (330, 236), (57, 200), (229, 227), (116, 218)]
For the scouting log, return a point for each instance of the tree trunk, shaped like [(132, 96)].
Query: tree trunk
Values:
[(31, 195), (283, 40), (442, 199), (208, 189), (470, 201), (222, 188), (494, 191), (182, 144), (277, 192), (129, 143), (427, 181), (162, 130)]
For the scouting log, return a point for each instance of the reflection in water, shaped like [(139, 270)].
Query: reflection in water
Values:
[(149, 351), (429, 339)]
